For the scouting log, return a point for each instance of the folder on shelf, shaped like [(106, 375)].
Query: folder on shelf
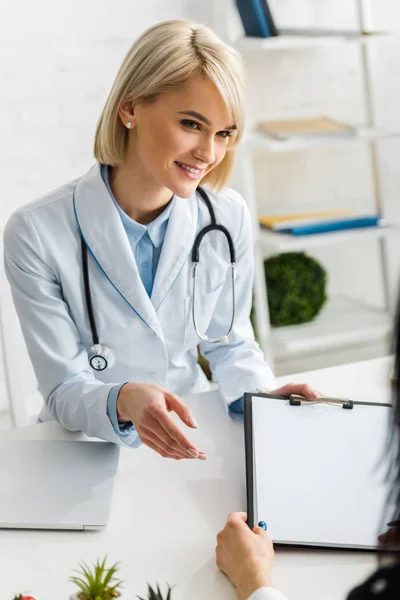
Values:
[(278, 222), (257, 21), (299, 128), (314, 471), (313, 223), (335, 225)]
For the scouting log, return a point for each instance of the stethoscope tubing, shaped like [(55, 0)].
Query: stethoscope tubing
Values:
[(100, 354)]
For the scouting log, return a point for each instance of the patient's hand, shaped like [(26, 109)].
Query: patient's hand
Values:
[(244, 555)]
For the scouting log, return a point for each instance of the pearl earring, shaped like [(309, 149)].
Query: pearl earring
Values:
[(129, 125)]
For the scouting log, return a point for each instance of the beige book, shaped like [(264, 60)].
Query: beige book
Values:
[(283, 130)]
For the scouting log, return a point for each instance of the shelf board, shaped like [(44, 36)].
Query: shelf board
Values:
[(297, 42), (341, 322), (259, 141), (271, 242)]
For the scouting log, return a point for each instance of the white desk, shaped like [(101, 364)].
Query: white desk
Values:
[(166, 514)]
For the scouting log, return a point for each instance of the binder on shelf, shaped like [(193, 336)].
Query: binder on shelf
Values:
[(270, 19), (314, 470), (300, 128), (256, 18)]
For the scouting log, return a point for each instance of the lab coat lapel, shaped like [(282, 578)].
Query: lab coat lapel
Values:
[(177, 246), (106, 239)]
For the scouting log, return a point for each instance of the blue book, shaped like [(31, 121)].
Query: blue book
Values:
[(254, 18), (350, 223)]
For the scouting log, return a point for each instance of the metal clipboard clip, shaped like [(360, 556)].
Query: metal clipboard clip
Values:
[(346, 403)]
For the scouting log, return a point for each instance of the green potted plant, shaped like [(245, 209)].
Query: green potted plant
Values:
[(155, 594), (296, 285), (97, 583), (100, 583)]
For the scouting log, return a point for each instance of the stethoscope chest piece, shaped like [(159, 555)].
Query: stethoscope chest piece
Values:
[(101, 357)]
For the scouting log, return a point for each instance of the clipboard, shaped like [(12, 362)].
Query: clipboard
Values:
[(315, 471)]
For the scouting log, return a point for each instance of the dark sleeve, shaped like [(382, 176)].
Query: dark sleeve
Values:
[(383, 584)]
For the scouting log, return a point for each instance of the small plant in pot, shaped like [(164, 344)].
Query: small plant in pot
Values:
[(97, 583), (100, 583), (155, 594)]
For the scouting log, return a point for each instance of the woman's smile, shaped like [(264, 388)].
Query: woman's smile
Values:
[(189, 170)]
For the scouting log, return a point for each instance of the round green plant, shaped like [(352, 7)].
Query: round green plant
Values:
[(296, 285)]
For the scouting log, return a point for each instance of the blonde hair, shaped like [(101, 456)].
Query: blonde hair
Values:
[(161, 60)]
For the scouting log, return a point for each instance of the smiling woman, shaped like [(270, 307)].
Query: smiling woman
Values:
[(175, 152), (178, 113), (112, 255)]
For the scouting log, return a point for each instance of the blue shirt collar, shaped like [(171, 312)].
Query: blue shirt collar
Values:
[(156, 229)]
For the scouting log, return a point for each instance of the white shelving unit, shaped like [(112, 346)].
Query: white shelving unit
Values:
[(342, 321), (258, 141), (272, 242), (298, 42)]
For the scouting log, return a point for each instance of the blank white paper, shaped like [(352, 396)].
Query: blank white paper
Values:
[(319, 472)]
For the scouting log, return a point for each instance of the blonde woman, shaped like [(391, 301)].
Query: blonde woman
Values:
[(101, 268)]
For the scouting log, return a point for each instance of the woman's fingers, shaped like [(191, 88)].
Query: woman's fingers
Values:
[(154, 431), (302, 389), (184, 413), (148, 406), (162, 450), (175, 433)]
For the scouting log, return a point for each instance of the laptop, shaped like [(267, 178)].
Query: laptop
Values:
[(56, 484)]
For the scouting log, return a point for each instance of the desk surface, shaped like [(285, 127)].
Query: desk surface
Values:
[(166, 514)]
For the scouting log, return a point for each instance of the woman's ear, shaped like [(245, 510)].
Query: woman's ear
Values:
[(127, 114)]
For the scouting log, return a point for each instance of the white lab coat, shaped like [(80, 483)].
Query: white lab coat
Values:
[(153, 338), (267, 593)]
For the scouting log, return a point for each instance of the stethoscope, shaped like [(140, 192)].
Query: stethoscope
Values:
[(100, 355)]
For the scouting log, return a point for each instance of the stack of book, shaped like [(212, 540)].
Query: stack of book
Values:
[(319, 222)]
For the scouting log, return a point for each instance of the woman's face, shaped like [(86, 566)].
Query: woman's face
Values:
[(180, 136)]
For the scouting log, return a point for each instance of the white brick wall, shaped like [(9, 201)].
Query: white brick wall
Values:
[(57, 64)]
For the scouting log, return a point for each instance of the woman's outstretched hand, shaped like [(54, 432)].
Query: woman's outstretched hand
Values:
[(148, 406)]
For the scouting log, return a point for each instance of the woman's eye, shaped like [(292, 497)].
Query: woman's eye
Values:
[(224, 134), (194, 126), (190, 124)]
